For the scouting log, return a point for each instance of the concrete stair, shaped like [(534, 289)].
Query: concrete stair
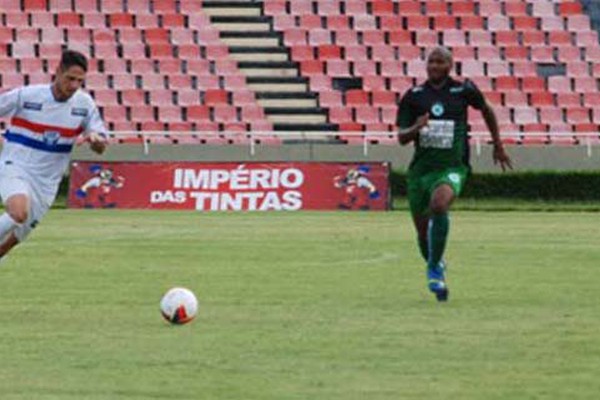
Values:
[(266, 62)]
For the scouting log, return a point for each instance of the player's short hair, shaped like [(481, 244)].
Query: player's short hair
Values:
[(444, 52), (72, 58)]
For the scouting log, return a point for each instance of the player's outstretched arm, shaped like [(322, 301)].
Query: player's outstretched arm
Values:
[(410, 134), (500, 156), (98, 142)]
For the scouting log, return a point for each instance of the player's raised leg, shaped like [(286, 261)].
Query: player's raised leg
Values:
[(437, 235), (16, 214)]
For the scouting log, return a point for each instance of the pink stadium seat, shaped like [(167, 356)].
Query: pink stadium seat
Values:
[(30, 65), (338, 68), (471, 22), (568, 100), (169, 114), (317, 37), (515, 100), (225, 113), (216, 97), (382, 7), (497, 69), (569, 8), (359, 52), (453, 38), (123, 82), (542, 99), (578, 23), (330, 99), (578, 115), (443, 22), (311, 67), (329, 52), (142, 113), (560, 38), (142, 66), (117, 20), (530, 84), (592, 100), (105, 97), (559, 84), (198, 113), (356, 98), (364, 68), (586, 84), (153, 82), (133, 97), (206, 82), (462, 8), (310, 21), (188, 97), (363, 22), (507, 83), (68, 19), (35, 5), (426, 38), (480, 38), (507, 38), (340, 114), (373, 82), (525, 116), (367, 115), (533, 38), (178, 82), (524, 69), (542, 55)]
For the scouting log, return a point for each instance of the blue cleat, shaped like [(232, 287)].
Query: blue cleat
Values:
[(436, 281)]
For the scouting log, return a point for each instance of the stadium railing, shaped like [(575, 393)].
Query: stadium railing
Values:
[(253, 139)]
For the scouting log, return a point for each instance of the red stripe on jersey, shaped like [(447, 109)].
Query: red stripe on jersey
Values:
[(41, 128)]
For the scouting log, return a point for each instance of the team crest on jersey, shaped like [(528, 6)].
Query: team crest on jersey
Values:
[(51, 137), (30, 105), (79, 112), (437, 109)]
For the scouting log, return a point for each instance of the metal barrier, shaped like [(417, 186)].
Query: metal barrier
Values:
[(587, 139)]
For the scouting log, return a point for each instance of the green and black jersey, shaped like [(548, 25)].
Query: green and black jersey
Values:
[(444, 143)]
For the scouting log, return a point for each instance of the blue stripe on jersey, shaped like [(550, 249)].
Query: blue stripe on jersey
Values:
[(36, 144)]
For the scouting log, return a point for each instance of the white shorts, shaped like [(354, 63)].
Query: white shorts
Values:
[(12, 182)]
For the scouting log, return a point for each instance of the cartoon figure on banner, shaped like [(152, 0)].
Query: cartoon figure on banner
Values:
[(358, 189), (96, 192)]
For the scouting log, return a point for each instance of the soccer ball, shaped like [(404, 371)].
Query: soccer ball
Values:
[(179, 306)]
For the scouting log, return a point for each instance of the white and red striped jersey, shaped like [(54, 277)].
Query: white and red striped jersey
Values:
[(42, 131)]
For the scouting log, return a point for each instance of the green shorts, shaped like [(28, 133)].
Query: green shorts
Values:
[(421, 187)]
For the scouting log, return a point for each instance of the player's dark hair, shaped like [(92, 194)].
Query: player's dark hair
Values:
[(72, 58)]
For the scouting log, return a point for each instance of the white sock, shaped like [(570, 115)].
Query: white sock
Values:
[(7, 225)]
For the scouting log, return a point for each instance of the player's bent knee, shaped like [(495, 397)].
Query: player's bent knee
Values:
[(19, 216)]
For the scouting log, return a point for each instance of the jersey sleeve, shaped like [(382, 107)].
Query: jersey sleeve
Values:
[(94, 122), (405, 117), (9, 102), (473, 95)]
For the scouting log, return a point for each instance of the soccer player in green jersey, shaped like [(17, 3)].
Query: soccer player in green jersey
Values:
[(434, 116)]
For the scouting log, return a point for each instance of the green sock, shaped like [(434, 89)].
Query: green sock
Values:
[(439, 225), (424, 248)]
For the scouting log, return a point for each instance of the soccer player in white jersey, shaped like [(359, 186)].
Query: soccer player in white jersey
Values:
[(45, 122)]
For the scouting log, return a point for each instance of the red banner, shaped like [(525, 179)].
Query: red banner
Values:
[(230, 186)]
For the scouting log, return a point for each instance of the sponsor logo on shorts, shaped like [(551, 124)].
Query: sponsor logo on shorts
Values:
[(454, 177), (30, 105)]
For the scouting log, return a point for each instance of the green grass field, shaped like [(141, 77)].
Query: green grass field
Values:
[(301, 306)]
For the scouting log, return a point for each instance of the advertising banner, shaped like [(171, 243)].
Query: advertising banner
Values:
[(256, 186)]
